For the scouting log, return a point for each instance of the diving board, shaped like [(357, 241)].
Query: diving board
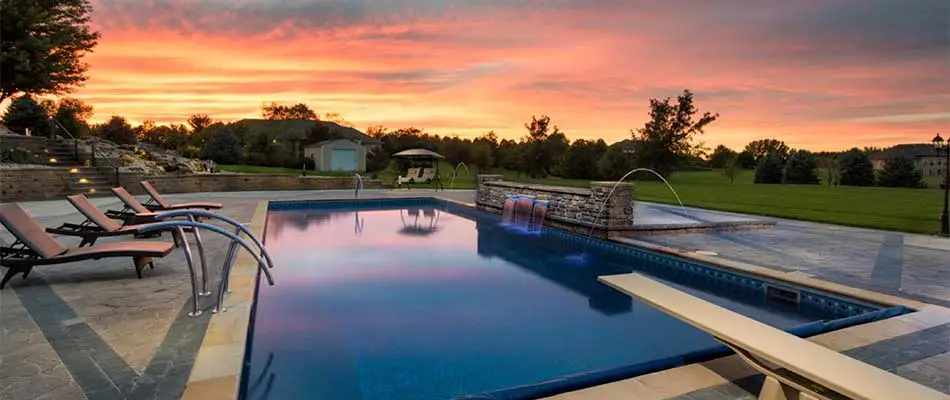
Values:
[(793, 367)]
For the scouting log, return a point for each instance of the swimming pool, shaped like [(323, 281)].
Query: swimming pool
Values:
[(421, 299)]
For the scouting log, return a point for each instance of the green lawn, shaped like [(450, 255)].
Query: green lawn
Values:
[(908, 210)]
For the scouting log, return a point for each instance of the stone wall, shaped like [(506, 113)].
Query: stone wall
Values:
[(240, 183), (34, 144), (33, 184), (53, 183), (575, 209)]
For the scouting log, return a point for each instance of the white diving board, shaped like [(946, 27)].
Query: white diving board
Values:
[(794, 368)]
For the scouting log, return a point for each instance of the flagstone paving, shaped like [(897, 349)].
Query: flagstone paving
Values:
[(93, 330)]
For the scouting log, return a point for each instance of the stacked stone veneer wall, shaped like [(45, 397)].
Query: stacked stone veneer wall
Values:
[(53, 183), (33, 184), (240, 183), (575, 209), (35, 144)]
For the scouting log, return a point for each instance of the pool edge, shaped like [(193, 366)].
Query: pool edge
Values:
[(216, 372)]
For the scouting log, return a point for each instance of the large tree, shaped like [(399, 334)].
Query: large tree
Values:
[(667, 138), (199, 122), (720, 155), (856, 169), (71, 114), (274, 111), (25, 113), (763, 147), (42, 43), (900, 171), (537, 150)]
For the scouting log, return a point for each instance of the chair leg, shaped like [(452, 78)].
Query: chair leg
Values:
[(11, 272), (140, 263)]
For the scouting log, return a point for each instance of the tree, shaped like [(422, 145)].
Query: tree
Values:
[(730, 168), (769, 169), (71, 114), (42, 44), (274, 111), (581, 159), (556, 146), (198, 122), (223, 146), (538, 157), (801, 168), (856, 169), (615, 162), (377, 131), (25, 113), (746, 160), (482, 157), (337, 118), (829, 164), (900, 171), (720, 155), (667, 138), (763, 147), (117, 130)]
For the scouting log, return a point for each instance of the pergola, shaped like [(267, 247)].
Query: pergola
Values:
[(423, 157)]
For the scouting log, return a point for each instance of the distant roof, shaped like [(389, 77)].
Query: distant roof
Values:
[(911, 151), (420, 153), (298, 128)]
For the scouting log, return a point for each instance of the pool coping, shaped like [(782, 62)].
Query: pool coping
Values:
[(216, 372)]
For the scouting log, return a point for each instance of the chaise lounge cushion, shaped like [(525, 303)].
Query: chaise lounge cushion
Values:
[(183, 206)]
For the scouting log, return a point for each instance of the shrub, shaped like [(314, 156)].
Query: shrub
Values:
[(223, 147), (856, 169), (801, 168), (901, 172), (769, 170)]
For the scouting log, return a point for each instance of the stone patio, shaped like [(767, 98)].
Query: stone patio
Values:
[(92, 330)]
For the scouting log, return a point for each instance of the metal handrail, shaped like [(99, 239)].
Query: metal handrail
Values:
[(212, 215), (178, 225), (359, 184), (231, 255), (76, 150)]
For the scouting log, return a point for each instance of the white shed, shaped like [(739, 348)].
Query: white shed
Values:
[(343, 155)]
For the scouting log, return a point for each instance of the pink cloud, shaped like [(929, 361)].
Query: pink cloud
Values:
[(773, 69)]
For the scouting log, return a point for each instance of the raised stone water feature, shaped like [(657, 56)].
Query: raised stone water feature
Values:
[(573, 209)]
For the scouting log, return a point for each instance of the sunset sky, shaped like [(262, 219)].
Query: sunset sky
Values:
[(819, 74)]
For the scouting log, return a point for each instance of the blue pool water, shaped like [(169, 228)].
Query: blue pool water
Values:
[(428, 301)]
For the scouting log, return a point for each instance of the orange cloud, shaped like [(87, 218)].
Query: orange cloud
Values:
[(816, 74)]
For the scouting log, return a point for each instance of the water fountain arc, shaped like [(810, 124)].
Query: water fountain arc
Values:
[(455, 173), (614, 188)]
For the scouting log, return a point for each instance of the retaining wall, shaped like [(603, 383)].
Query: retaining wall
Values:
[(240, 183), (33, 183)]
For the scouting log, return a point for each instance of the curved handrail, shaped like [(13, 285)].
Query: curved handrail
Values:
[(213, 228), (226, 270), (212, 215)]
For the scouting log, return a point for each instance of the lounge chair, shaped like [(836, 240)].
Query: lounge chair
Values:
[(134, 212), (412, 175), (33, 247), (428, 174), (97, 224), (158, 203)]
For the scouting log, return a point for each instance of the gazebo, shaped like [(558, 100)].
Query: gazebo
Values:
[(424, 170)]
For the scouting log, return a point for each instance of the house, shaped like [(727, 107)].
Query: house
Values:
[(345, 149), (925, 157)]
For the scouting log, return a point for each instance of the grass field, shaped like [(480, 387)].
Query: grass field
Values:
[(907, 210)]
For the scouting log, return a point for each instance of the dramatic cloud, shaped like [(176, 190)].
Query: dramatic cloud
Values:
[(816, 73)]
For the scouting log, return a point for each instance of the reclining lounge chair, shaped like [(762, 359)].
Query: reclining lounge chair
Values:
[(135, 212), (158, 203), (97, 224), (35, 247), (412, 175)]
